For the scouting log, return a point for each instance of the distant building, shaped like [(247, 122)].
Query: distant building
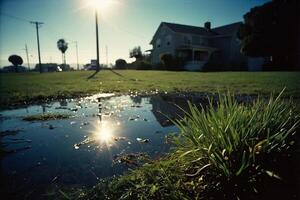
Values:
[(91, 66), (12, 68), (94, 64), (64, 67), (202, 48), (48, 67)]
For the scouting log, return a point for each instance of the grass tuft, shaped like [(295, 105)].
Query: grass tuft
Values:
[(235, 141)]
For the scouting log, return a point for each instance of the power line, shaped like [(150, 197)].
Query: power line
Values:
[(14, 17), (37, 26)]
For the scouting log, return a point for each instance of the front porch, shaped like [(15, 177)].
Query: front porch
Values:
[(195, 57)]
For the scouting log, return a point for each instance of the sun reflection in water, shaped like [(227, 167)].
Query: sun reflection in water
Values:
[(105, 133)]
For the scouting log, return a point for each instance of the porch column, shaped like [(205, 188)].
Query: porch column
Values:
[(193, 55)]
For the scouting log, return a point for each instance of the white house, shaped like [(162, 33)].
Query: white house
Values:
[(200, 47)]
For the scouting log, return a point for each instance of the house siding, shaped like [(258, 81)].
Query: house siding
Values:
[(163, 35)]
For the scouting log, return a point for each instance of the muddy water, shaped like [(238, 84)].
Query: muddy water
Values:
[(85, 147)]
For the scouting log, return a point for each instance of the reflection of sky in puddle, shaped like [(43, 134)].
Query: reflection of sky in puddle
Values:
[(81, 149)]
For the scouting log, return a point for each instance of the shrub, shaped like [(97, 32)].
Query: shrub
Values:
[(120, 64), (171, 62), (143, 65)]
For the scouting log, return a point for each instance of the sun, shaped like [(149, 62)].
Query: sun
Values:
[(104, 7), (101, 5)]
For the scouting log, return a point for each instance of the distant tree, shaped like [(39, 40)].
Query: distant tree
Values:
[(16, 61), (62, 45), (121, 64), (136, 53), (272, 30)]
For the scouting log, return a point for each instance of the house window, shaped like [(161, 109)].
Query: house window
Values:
[(186, 40), (204, 42), (168, 40), (196, 40), (158, 43)]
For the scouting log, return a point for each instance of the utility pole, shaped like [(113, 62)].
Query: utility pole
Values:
[(37, 25), (106, 51), (76, 44), (97, 42), (26, 49), (77, 55)]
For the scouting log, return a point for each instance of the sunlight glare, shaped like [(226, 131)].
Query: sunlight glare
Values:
[(101, 5), (105, 133)]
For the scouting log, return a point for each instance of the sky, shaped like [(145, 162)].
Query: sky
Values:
[(123, 24)]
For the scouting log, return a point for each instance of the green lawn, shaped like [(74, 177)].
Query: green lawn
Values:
[(219, 162), (16, 88)]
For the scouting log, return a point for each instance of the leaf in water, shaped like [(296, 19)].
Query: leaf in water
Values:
[(64, 194), (136, 106), (73, 109), (134, 118), (119, 138), (142, 140), (271, 174), (255, 190), (54, 179)]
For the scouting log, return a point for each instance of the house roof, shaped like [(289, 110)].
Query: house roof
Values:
[(227, 29), (197, 30), (180, 28)]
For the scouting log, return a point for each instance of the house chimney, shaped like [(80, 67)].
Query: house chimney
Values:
[(207, 26)]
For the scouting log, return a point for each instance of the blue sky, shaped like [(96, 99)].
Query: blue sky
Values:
[(123, 25)]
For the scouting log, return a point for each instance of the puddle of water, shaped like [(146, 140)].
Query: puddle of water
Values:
[(96, 142)]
